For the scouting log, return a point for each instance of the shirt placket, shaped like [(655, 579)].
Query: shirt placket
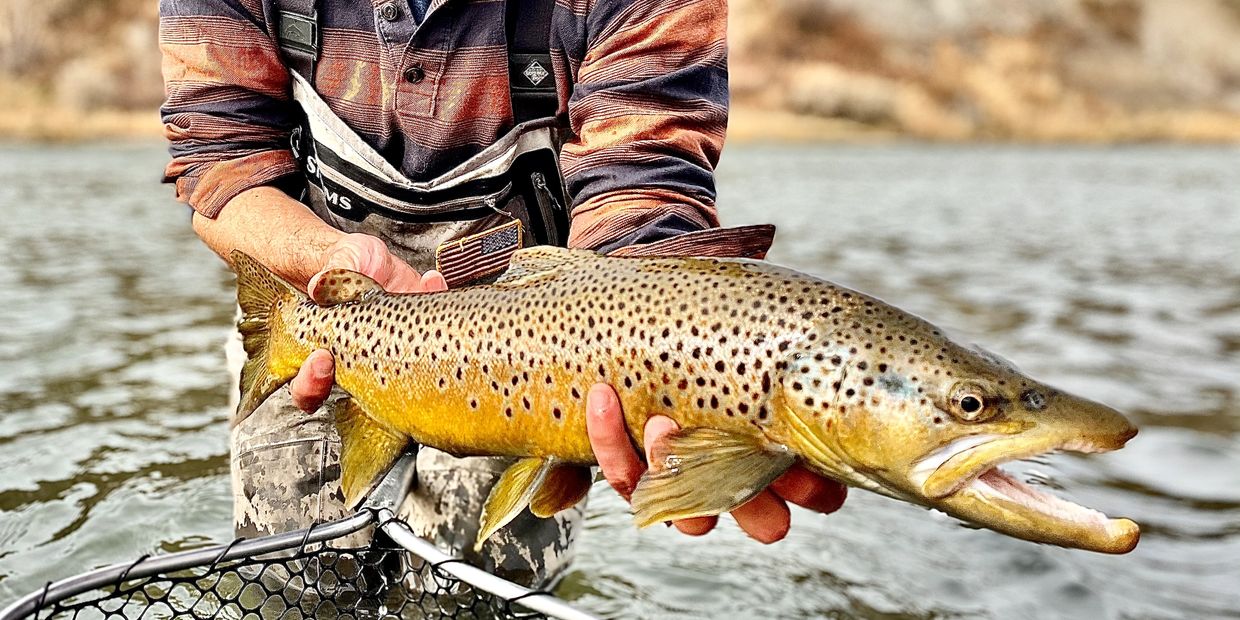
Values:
[(417, 67)]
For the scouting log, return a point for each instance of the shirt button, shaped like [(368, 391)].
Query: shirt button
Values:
[(389, 12), (414, 74)]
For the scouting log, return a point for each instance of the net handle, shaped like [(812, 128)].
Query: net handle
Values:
[(534, 600)]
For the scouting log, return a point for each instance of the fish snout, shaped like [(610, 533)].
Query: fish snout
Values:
[(1093, 427)]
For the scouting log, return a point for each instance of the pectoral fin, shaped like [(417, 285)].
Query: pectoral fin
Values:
[(367, 450), (542, 484), (703, 471)]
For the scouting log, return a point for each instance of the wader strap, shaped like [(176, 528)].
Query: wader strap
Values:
[(297, 32), (530, 82)]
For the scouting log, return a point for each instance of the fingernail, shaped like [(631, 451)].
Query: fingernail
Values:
[(322, 368), (599, 400)]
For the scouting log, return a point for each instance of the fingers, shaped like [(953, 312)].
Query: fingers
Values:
[(313, 382), (656, 427), (808, 490), (432, 281), (765, 518), (609, 439), (696, 526), (397, 276)]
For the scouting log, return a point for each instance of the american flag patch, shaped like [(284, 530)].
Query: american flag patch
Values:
[(478, 256)]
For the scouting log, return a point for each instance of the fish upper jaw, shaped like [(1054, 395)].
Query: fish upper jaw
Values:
[(952, 467), (930, 466)]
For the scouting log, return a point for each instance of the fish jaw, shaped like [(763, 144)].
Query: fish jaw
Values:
[(1000, 502), (964, 479)]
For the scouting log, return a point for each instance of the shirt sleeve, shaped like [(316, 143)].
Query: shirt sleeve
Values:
[(649, 113), (228, 112)]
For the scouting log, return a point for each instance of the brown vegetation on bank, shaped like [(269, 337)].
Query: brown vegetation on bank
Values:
[(1027, 70), (1009, 70)]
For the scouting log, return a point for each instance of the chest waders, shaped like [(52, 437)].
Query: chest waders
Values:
[(466, 223)]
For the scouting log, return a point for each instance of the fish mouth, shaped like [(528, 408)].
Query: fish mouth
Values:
[(965, 480)]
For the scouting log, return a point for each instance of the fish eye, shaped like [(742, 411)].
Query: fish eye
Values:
[(969, 404)]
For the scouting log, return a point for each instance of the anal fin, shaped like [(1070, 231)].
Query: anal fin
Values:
[(700, 472), (542, 484), (367, 450)]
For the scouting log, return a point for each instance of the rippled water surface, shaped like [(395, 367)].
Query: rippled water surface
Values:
[(1112, 273)]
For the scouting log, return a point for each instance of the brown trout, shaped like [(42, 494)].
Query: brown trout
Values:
[(761, 366)]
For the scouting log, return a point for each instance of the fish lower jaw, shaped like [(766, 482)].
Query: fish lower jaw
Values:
[(1089, 528), (996, 483), (965, 480)]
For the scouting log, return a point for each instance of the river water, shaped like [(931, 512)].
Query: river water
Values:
[(1114, 273)]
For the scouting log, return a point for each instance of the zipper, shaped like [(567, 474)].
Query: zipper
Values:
[(489, 202), (547, 206)]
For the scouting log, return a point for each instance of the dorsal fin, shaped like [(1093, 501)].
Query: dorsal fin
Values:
[(540, 260), (338, 286)]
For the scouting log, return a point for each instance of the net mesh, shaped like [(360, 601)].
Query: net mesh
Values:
[(379, 581)]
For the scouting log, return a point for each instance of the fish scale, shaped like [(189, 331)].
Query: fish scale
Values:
[(759, 365)]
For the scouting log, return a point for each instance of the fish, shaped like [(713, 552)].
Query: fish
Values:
[(762, 367)]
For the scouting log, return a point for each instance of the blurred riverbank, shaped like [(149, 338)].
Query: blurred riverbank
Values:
[(1079, 71)]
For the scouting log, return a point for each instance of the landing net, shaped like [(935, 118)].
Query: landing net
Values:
[(292, 576)]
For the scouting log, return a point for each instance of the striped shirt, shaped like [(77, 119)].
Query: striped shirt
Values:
[(642, 85)]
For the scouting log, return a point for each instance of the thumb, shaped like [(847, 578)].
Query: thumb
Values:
[(368, 256), (357, 252)]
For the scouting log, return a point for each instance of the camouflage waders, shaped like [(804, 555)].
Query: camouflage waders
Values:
[(466, 223)]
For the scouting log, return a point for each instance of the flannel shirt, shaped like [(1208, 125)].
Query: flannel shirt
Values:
[(642, 85)]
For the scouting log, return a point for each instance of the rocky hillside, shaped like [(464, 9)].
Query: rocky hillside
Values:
[(1037, 70)]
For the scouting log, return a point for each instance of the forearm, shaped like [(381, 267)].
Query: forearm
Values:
[(278, 231), (649, 112)]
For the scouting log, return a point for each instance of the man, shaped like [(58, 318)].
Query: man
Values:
[(394, 136)]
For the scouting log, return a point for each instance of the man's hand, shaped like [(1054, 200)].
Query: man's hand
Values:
[(366, 255), (764, 518)]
